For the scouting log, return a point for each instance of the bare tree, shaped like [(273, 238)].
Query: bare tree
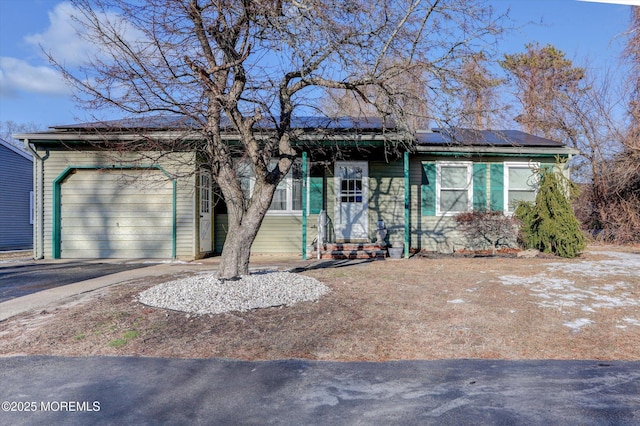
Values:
[(632, 57), (610, 204), (238, 64), (619, 213), (403, 98), (9, 127)]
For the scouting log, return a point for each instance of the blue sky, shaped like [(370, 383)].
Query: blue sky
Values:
[(31, 92)]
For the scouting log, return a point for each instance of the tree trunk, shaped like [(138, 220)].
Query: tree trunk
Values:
[(234, 261), (244, 226)]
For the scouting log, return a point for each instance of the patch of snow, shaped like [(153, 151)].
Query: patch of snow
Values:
[(577, 324), (631, 321), (456, 301), (618, 264), (563, 292)]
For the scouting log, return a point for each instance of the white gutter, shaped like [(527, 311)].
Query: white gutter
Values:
[(497, 150), (38, 187), (176, 135)]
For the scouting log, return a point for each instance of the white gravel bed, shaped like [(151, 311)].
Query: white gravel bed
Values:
[(206, 294)]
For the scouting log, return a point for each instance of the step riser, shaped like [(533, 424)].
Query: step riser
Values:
[(351, 251), (380, 256), (352, 247)]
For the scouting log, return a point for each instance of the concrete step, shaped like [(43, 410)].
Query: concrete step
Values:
[(352, 251)]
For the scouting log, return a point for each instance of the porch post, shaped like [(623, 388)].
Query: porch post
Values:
[(304, 205), (407, 204)]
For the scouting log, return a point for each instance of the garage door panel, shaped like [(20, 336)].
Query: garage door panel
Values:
[(108, 253), (117, 199), (115, 221), (156, 210), (104, 215), (122, 234)]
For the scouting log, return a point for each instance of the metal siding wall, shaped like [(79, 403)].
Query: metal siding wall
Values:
[(16, 182)]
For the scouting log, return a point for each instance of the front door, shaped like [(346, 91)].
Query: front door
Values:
[(351, 221), (206, 243)]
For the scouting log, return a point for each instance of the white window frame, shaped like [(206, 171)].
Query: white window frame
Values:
[(288, 180), (468, 188), (532, 166)]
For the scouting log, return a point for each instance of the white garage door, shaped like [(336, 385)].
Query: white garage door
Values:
[(116, 214)]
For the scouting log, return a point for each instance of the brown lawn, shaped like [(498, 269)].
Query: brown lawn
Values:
[(421, 308)]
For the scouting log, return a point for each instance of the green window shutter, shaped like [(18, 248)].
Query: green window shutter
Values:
[(429, 189), (496, 172), (315, 194), (479, 187)]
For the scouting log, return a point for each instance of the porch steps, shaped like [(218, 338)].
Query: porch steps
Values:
[(352, 251)]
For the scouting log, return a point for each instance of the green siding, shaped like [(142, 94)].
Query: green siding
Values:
[(315, 194), (497, 187), (278, 234), (428, 189), (386, 198), (479, 186)]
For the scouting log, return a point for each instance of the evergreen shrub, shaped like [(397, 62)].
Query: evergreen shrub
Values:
[(550, 225)]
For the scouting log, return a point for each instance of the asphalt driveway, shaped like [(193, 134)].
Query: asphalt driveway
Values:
[(141, 391), (20, 278)]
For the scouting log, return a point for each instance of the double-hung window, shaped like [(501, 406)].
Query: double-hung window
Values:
[(287, 197), (521, 184), (454, 189)]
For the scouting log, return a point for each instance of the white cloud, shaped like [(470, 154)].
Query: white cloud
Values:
[(624, 2), (61, 40), (68, 42), (17, 75)]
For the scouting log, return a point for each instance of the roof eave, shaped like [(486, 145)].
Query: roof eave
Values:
[(48, 137), (497, 150)]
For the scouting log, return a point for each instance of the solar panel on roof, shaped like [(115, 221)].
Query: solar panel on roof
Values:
[(470, 137)]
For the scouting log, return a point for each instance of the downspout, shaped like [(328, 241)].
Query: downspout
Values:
[(38, 183), (407, 204), (304, 205)]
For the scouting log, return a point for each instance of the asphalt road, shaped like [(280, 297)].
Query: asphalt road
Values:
[(22, 278), (123, 390)]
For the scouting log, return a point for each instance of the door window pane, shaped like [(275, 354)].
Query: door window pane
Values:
[(351, 191)]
